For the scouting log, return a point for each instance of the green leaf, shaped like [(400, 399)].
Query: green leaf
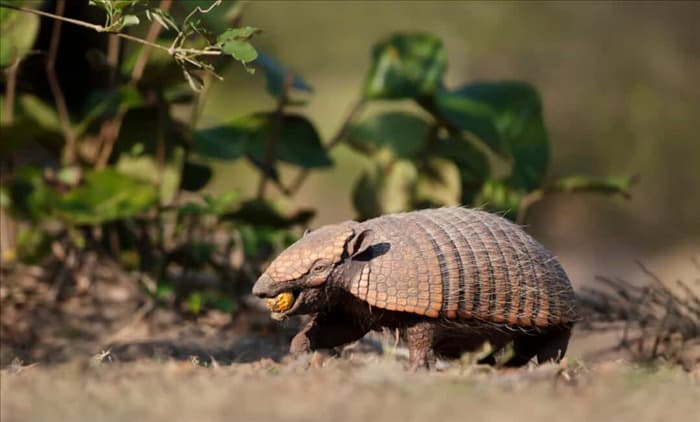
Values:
[(249, 240), (382, 190), (129, 20), (69, 176), (200, 252), (238, 34), (18, 31), (262, 213), (438, 184), (406, 66), (472, 164), (194, 302), (40, 113), (196, 83), (33, 244), (609, 185), (5, 200), (213, 205), (195, 176), (404, 134), (123, 4), (34, 120), (218, 204), (240, 50), (221, 303), (140, 132), (498, 196), (106, 195), (32, 199), (506, 116), (163, 18), (108, 103), (276, 75), (146, 168), (226, 142), (299, 143)]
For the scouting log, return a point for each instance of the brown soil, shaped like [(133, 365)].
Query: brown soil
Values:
[(96, 348)]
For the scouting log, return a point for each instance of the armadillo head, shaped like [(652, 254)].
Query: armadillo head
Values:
[(296, 282)]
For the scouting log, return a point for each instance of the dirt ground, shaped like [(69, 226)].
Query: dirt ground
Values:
[(354, 388), (99, 350)]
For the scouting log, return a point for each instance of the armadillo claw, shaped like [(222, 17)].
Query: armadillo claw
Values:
[(281, 303)]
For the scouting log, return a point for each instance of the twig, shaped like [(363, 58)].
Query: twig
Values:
[(98, 28), (162, 108), (8, 225), (653, 310), (198, 104), (661, 329), (10, 89), (113, 59), (273, 139), (109, 132), (140, 314), (526, 202), (335, 140), (59, 99), (153, 32)]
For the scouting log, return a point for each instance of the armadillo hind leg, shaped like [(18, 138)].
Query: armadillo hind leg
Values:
[(420, 338), (549, 345), (326, 331)]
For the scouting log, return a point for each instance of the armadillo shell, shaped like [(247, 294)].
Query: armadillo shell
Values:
[(459, 263)]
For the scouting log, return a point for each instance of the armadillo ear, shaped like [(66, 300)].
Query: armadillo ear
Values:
[(360, 242)]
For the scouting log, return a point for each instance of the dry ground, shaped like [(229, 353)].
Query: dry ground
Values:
[(357, 387), (162, 365)]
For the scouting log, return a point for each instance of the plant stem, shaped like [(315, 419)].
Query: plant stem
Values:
[(99, 28), (69, 153), (153, 32), (271, 146), (113, 55), (10, 90), (8, 225), (335, 140), (526, 202), (109, 133)]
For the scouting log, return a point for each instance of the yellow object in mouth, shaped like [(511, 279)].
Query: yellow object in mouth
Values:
[(281, 303)]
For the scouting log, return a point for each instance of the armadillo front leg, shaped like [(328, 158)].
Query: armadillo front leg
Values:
[(325, 331), (421, 339)]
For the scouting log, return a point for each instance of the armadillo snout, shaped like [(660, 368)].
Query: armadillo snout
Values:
[(264, 287)]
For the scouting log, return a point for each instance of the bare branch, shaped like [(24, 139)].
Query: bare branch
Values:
[(526, 202), (69, 152), (10, 90), (98, 28), (153, 32), (661, 320), (109, 132)]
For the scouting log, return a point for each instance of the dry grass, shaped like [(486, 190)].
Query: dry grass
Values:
[(215, 368), (660, 319), (348, 389)]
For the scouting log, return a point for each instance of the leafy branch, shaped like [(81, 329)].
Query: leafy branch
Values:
[(233, 42)]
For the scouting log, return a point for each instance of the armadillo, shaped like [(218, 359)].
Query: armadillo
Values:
[(449, 279)]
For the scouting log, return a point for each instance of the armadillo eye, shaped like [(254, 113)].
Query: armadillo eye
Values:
[(318, 268)]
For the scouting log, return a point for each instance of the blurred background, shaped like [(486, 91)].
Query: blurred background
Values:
[(618, 84)]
